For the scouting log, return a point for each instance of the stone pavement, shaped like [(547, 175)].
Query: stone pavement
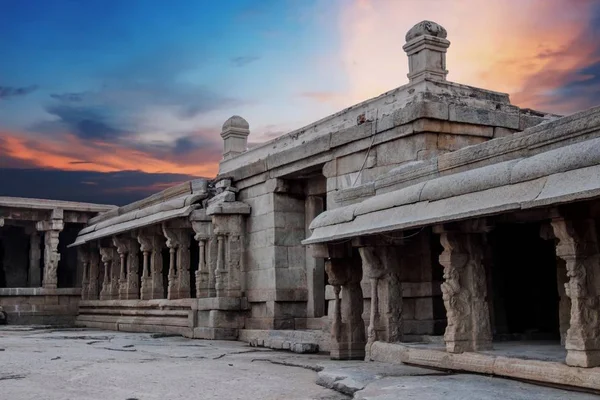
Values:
[(80, 364)]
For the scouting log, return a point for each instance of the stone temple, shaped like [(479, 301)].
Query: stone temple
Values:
[(436, 225)]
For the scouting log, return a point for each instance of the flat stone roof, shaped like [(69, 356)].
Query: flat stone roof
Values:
[(45, 204)]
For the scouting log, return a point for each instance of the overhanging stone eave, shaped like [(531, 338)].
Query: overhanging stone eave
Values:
[(44, 204), (135, 224), (554, 189)]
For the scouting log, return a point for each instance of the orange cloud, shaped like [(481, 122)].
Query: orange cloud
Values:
[(70, 153), (499, 45)]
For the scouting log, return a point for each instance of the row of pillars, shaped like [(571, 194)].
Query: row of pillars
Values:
[(464, 290), (217, 273)]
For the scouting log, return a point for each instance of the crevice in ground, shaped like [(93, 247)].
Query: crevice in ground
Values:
[(237, 352), (12, 376), (315, 368)]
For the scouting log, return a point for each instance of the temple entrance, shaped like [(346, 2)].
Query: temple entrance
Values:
[(523, 284)]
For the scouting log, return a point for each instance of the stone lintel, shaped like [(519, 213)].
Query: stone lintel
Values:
[(53, 225), (233, 207)]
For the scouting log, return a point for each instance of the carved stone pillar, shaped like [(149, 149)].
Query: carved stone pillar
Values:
[(178, 242), (51, 229), (465, 292), (51, 259), (106, 256), (146, 248), (183, 266), (84, 259), (35, 253), (348, 329), (132, 285), (220, 273), (122, 252), (202, 226), (564, 304), (578, 247), (380, 265), (202, 274), (93, 277)]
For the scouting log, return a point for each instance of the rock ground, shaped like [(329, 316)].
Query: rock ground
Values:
[(87, 364)]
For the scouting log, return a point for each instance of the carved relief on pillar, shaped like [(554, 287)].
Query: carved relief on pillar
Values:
[(83, 256), (380, 266), (578, 247), (51, 229), (464, 292), (348, 329), (51, 259)]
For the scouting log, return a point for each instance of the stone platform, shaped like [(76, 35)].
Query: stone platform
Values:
[(209, 318), (40, 305), (526, 361)]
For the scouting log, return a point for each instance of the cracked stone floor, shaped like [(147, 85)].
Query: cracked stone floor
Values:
[(53, 364)]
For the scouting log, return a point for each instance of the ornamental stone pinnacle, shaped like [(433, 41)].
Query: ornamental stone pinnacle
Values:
[(426, 46), (235, 133)]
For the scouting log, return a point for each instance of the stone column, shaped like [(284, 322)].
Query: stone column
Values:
[(380, 266), (35, 253), (564, 303), (84, 258), (465, 291), (220, 273), (51, 229), (183, 265), (348, 329), (93, 277), (145, 242), (132, 285), (202, 274), (578, 247), (178, 242), (119, 243), (106, 256), (315, 267)]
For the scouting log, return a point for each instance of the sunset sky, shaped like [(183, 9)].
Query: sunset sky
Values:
[(109, 101)]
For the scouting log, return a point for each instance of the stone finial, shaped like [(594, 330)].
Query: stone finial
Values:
[(235, 136), (426, 46)]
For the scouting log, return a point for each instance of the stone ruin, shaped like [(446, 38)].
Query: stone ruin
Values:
[(427, 225)]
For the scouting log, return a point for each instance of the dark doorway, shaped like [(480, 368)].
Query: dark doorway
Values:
[(524, 284), (67, 273)]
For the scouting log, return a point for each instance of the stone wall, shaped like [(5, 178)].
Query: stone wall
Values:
[(43, 306)]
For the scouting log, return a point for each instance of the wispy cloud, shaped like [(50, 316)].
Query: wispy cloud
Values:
[(244, 60), (7, 92)]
